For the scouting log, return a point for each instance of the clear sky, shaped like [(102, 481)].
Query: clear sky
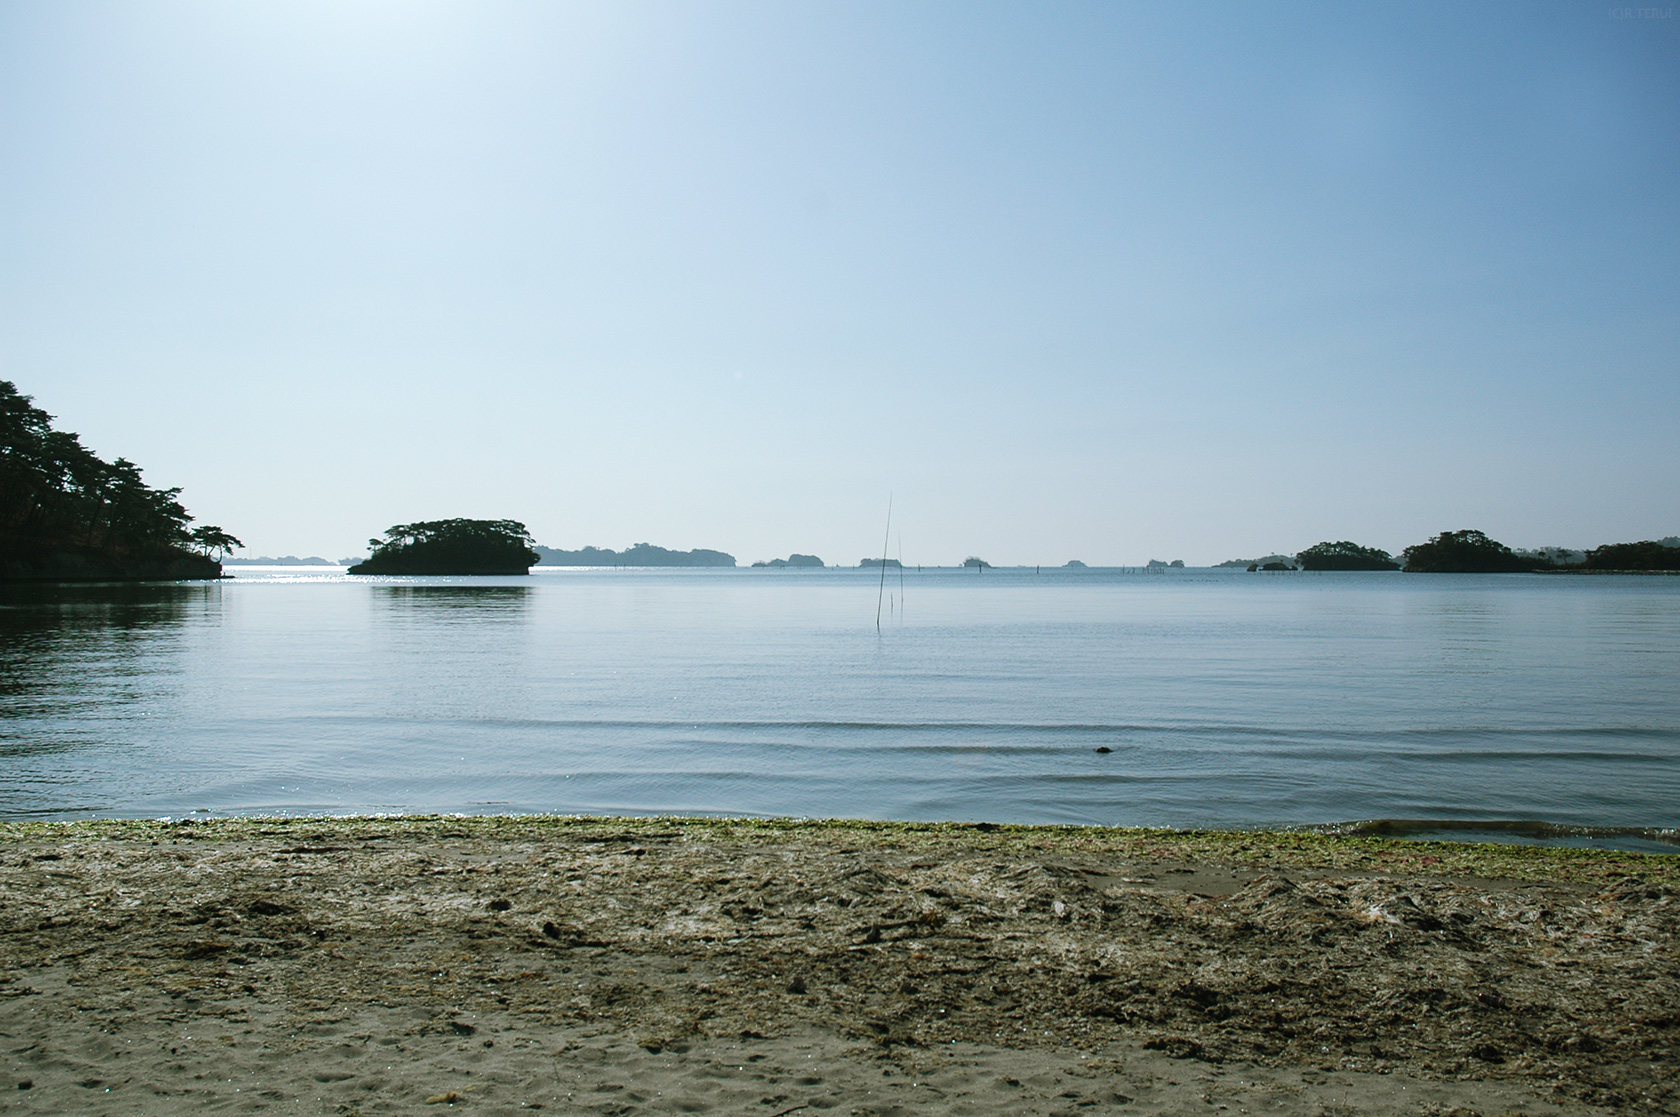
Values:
[(1098, 281)]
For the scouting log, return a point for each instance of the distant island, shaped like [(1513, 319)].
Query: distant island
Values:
[(451, 547), (793, 560), (290, 560), (1649, 555), (1464, 552), (1343, 555), (642, 554), (1472, 552), (1553, 556), (67, 515), (1469, 551)]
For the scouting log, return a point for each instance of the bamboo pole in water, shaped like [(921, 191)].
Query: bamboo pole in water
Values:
[(887, 539)]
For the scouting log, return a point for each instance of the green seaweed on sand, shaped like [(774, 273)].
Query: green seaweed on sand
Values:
[(1269, 849)]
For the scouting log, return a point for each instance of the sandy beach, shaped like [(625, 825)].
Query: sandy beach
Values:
[(625, 966)]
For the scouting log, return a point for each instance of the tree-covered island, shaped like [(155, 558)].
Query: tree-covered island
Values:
[(1464, 552), (1343, 555), (796, 560), (1646, 556), (68, 515), (451, 547), (642, 554)]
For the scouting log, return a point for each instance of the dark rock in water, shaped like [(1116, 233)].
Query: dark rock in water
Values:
[(1102, 748), (500, 905)]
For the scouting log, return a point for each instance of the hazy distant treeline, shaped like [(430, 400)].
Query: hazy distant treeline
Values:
[(642, 554), (1472, 552)]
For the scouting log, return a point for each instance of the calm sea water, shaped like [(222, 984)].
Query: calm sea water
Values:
[(1182, 699)]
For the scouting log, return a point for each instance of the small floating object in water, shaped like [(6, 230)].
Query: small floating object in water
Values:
[(1102, 748)]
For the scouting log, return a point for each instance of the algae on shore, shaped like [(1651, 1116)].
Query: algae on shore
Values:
[(1553, 969)]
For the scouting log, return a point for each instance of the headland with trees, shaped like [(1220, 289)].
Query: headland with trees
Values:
[(67, 515)]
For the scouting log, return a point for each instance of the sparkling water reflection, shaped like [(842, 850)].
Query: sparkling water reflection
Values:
[(1089, 696)]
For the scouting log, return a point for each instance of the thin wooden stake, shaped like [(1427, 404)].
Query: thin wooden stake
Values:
[(882, 592)]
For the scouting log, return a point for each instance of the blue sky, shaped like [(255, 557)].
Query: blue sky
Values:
[(1103, 281)]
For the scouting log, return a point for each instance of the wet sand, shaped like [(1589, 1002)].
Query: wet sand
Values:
[(626, 966)]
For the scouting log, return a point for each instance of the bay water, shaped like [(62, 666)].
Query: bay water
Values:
[(1185, 699)]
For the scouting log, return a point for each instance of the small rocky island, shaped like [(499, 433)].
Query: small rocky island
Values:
[(793, 560), (451, 547)]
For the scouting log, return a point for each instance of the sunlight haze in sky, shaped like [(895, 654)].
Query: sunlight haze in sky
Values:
[(1095, 281)]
